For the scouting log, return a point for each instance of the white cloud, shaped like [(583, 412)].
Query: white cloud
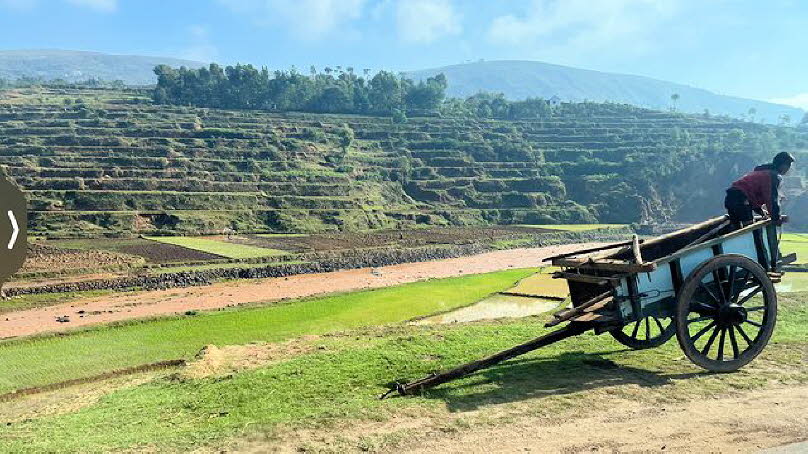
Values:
[(104, 6), (201, 48), (581, 26), (423, 21), (307, 19), (799, 100)]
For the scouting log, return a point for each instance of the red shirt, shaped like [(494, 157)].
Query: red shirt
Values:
[(761, 188)]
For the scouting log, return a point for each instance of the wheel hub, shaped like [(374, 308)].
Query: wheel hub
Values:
[(731, 314)]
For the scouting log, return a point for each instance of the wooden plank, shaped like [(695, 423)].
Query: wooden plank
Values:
[(577, 277), (699, 226), (567, 314), (593, 317), (606, 264), (635, 249), (788, 259), (708, 244), (588, 250)]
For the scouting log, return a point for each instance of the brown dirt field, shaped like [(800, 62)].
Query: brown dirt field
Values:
[(736, 423), (215, 361), (746, 423), (165, 302), (48, 258), (155, 252)]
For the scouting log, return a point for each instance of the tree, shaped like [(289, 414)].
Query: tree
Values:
[(674, 100), (805, 118), (385, 93), (752, 112), (345, 136)]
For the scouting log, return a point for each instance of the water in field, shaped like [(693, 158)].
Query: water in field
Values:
[(493, 307), (542, 285), (793, 282)]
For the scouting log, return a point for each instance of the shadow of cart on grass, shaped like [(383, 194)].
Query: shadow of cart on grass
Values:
[(531, 378)]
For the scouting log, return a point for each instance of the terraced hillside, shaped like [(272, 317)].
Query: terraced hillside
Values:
[(111, 163)]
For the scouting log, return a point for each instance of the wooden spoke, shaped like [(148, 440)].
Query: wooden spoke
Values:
[(710, 292), (636, 329), (721, 344), (698, 306), (719, 284), (746, 277), (748, 297), (659, 325), (756, 308), (710, 341), (731, 294), (702, 331), (743, 334), (754, 323), (700, 319), (643, 337), (734, 342)]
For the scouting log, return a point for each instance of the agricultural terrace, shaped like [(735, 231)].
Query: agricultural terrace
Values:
[(110, 163)]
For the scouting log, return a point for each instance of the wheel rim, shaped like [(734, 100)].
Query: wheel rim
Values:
[(729, 315), (650, 330)]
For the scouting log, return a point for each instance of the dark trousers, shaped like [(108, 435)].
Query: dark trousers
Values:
[(738, 207)]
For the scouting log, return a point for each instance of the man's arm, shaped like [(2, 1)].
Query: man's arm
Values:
[(774, 204)]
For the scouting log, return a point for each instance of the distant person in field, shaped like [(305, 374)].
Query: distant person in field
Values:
[(758, 192)]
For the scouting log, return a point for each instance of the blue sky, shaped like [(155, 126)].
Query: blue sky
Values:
[(749, 48)]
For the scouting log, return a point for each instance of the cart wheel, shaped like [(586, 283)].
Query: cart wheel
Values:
[(725, 313), (648, 332)]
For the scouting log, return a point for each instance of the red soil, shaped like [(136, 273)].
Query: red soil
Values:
[(127, 306)]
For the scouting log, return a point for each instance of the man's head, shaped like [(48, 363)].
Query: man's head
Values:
[(782, 162)]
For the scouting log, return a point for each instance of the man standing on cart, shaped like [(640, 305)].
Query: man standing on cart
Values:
[(758, 191)]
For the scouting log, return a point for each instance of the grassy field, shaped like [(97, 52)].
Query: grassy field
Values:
[(574, 227), (221, 248), (41, 361), (335, 386), (795, 242)]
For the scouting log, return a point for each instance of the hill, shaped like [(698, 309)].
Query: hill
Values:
[(106, 162), (77, 66), (523, 79)]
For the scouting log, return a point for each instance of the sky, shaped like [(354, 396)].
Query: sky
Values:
[(748, 48)]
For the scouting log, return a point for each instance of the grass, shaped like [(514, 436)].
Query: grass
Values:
[(795, 242), (335, 387), (220, 248), (282, 235), (53, 359), (574, 227)]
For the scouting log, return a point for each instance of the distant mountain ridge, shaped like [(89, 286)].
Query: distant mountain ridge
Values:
[(76, 66), (515, 79), (524, 79)]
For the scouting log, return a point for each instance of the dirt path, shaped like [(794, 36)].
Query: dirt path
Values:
[(745, 423), (164, 302)]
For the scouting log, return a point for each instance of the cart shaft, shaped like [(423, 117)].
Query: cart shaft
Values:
[(570, 330)]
